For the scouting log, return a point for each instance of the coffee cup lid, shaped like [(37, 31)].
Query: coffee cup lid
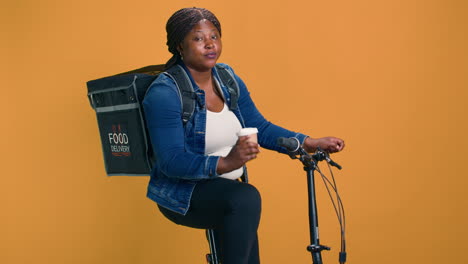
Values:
[(247, 131)]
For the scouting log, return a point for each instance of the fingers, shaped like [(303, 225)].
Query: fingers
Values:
[(332, 144), (247, 150), (341, 145), (251, 150), (336, 145)]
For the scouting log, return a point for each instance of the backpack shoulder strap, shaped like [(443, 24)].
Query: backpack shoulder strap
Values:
[(227, 77), (188, 95), (186, 91)]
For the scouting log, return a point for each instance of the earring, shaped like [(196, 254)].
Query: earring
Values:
[(181, 57)]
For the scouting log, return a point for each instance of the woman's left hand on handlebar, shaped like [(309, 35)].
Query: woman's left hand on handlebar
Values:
[(329, 144)]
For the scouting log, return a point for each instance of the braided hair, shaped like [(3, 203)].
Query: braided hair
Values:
[(180, 24)]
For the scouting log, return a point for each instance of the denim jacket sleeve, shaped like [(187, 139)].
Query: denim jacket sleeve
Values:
[(268, 132), (162, 107)]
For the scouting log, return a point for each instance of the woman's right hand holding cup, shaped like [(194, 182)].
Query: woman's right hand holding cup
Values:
[(246, 149)]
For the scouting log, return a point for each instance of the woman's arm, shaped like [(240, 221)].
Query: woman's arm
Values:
[(162, 107), (269, 132)]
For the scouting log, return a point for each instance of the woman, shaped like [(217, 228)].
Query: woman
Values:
[(193, 180)]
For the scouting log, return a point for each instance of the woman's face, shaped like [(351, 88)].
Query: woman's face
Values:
[(201, 47)]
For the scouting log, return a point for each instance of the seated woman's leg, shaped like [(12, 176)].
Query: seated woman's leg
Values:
[(232, 209)]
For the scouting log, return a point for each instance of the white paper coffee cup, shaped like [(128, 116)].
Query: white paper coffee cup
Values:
[(251, 132)]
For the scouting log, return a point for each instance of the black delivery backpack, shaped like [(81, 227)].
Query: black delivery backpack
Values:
[(117, 101)]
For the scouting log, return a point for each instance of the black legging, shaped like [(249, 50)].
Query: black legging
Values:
[(232, 209)]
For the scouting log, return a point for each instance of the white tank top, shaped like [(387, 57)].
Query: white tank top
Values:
[(220, 137)]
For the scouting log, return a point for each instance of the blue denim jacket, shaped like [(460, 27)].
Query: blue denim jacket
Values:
[(179, 150)]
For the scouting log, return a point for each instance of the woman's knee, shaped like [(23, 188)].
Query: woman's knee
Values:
[(245, 199)]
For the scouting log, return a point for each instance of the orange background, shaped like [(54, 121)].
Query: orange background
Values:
[(390, 77)]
